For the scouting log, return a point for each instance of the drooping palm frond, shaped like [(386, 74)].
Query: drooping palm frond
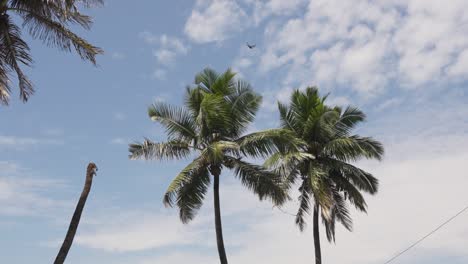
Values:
[(338, 212), (353, 148), (267, 142), (178, 122), (304, 205), (55, 34), (14, 51), (265, 184), (147, 150), (46, 20)]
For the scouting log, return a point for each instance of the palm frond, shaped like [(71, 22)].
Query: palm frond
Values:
[(267, 142), (14, 51), (353, 148), (178, 122), (167, 150), (265, 184), (304, 205), (55, 34), (244, 104), (361, 179), (348, 121), (188, 189), (206, 79)]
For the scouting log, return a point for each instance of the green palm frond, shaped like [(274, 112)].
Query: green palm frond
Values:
[(353, 148), (361, 179), (47, 21), (206, 79), (338, 212), (188, 189), (304, 205), (348, 120), (218, 150), (178, 122), (244, 104), (15, 51), (264, 183), (167, 150), (55, 34), (224, 83), (267, 142), (350, 191)]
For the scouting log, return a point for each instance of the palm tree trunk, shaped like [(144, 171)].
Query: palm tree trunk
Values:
[(67, 243), (219, 229), (318, 254)]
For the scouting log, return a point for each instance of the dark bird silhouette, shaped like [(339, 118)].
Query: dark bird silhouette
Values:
[(250, 46)]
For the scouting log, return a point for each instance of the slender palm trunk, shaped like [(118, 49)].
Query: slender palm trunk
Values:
[(318, 254), (67, 243), (219, 228)]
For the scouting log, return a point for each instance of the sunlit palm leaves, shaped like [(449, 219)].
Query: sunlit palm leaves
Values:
[(327, 179), (218, 110), (46, 20)]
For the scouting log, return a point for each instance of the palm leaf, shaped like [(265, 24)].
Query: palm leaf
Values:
[(265, 184), (167, 150)]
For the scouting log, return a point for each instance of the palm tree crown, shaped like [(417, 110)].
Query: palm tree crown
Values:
[(218, 110), (46, 20), (323, 165)]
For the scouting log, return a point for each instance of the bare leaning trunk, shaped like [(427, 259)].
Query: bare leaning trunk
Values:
[(318, 254), (219, 229), (67, 243)]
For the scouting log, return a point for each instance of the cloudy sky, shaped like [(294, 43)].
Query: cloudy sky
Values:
[(404, 62)]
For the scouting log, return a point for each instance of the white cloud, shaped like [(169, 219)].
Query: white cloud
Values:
[(118, 55), (119, 141), (139, 231), (120, 116), (168, 48), (23, 195), (215, 20), (164, 56), (266, 8), (160, 74), (21, 143), (366, 45)]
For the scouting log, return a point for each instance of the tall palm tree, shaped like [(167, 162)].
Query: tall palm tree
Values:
[(327, 179), (217, 111), (75, 221), (46, 20)]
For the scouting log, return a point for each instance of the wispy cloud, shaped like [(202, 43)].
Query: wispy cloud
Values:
[(21, 143), (368, 45), (215, 20), (23, 195), (168, 48)]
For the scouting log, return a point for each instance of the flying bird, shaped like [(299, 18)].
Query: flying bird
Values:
[(250, 46)]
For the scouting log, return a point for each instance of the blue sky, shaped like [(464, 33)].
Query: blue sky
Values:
[(405, 63)]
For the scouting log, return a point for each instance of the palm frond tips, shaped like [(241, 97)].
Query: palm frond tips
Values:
[(15, 51), (262, 182)]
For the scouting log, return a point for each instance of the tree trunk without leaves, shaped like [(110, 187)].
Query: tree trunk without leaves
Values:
[(67, 243), (318, 254), (219, 229)]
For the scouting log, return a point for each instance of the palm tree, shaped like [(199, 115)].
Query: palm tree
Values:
[(75, 221), (218, 110), (323, 166), (46, 20)]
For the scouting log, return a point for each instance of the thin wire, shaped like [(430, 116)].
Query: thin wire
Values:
[(426, 236)]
